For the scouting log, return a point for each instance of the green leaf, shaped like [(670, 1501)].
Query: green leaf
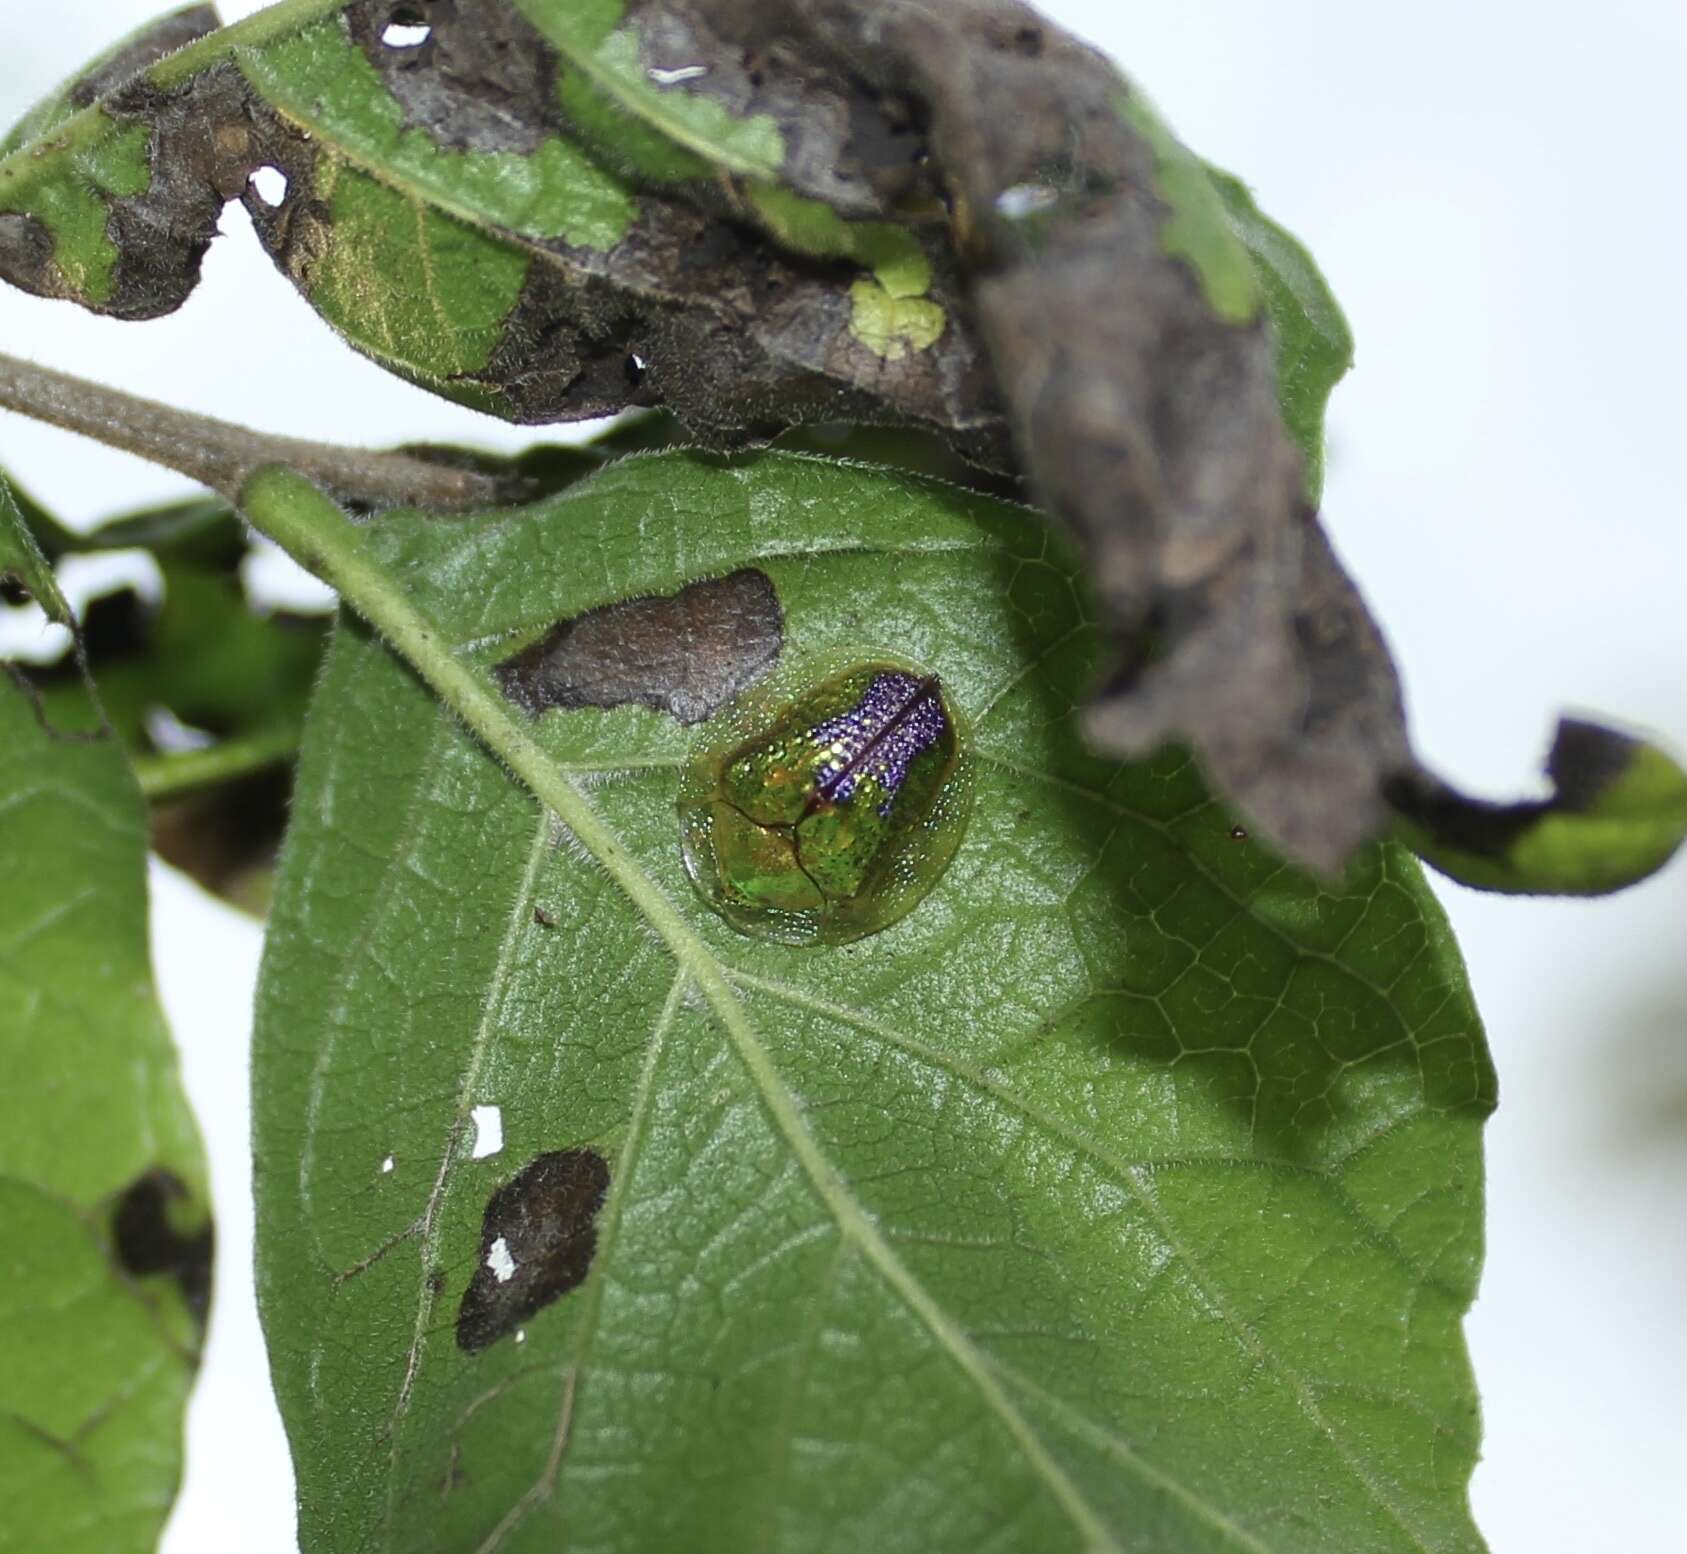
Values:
[(103, 1207), (203, 654), (1126, 1194), (201, 530)]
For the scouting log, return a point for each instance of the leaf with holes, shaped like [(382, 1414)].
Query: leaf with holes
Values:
[(415, 170), (104, 1215), (1126, 1192)]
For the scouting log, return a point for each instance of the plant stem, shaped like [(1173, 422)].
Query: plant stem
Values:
[(169, 776), (224, 456)]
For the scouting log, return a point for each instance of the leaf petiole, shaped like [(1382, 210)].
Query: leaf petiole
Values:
[(186, 771)]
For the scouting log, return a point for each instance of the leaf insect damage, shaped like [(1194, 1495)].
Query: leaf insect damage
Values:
[(687, 653), (757, 215), (537, 1240), (149, 1239)]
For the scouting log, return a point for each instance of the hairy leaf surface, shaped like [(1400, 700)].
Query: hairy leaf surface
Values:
[(103, 1210), (1126, 1194)]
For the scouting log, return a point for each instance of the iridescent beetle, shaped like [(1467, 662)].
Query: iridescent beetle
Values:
[(825, 815)]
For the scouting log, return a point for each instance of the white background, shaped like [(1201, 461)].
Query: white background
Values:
[(1494, 189)]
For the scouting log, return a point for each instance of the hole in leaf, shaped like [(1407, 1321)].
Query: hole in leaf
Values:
[(28, 637), (406, 28), (170, 736), (270, 185), (488, 1131), (537, 1240)]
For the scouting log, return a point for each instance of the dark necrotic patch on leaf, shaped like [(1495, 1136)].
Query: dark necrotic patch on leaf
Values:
[(736, 337), (687, 653), (207, 138), (26, 253), (537, 1240), (471, 76), (148, 1238), (857, 149), (144, 50)]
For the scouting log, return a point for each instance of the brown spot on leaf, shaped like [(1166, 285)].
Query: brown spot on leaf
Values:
[(148, 1238), (471, 76), (537, 1240), (205, 144), (844, 143), (26, 254), (687, 653)]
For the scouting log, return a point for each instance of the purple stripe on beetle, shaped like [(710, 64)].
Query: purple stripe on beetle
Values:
[(898, 718)]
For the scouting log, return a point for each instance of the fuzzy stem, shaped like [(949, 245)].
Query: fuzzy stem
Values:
[(185, 771), (224, 456)]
